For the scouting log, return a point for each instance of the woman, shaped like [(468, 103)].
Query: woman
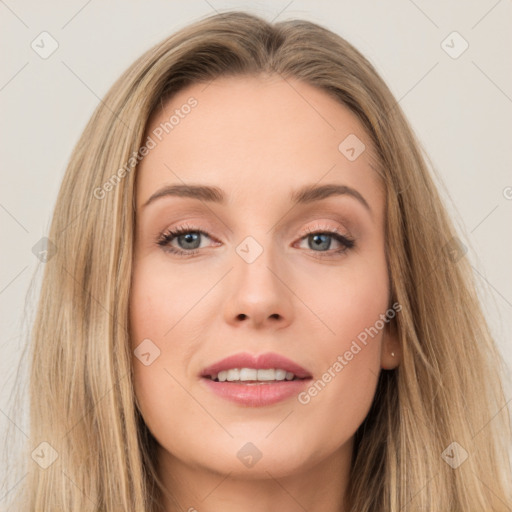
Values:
[(257, 300)]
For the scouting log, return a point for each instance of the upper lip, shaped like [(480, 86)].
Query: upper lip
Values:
[(261, 361)]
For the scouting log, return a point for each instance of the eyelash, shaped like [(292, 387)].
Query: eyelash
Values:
[(165, 238)]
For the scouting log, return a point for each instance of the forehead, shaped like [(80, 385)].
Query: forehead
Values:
[(257, 137)]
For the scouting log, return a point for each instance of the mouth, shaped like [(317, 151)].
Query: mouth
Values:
[(255, 380)]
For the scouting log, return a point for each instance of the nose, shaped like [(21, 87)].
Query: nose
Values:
[(259, 295)]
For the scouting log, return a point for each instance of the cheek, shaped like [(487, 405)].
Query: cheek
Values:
[(160, 300), (349, 346), (151, 316), (161, 297), (347, 301)]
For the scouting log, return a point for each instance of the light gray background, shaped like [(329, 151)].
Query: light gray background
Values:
[(460, 109)]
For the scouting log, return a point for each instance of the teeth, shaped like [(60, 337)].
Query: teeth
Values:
[(247, 374), (232, 374), (281, 374), (252, 374)]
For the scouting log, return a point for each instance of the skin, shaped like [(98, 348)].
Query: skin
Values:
[(258, 138)]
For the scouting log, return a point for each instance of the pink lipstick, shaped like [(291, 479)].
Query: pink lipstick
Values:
[(255, 381)]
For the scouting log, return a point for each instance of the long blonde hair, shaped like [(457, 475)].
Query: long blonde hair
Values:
[(448, 388)]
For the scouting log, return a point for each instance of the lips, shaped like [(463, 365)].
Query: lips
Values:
[(265, 361), (244, 385)]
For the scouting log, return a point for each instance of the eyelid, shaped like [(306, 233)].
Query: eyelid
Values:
[(185, 227), (322, 227)]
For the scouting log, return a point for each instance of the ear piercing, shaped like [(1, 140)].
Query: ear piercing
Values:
[(392, 354)]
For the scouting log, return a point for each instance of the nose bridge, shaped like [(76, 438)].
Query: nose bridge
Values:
[(258, 293), (255, 264)]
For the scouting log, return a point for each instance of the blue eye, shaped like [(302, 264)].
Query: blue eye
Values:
[(188, 239), (322, 240)]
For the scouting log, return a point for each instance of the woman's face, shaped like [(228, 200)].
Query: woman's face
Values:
[(247, 277)]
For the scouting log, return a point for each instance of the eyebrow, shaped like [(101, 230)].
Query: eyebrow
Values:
[(304, 195)]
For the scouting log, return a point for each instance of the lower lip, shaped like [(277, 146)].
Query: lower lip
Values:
[(257, 395)]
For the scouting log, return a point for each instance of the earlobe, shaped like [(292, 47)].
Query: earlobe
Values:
[(391, 352), (390, 358)]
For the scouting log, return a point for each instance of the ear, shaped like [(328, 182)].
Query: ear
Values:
[(391, 350)]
